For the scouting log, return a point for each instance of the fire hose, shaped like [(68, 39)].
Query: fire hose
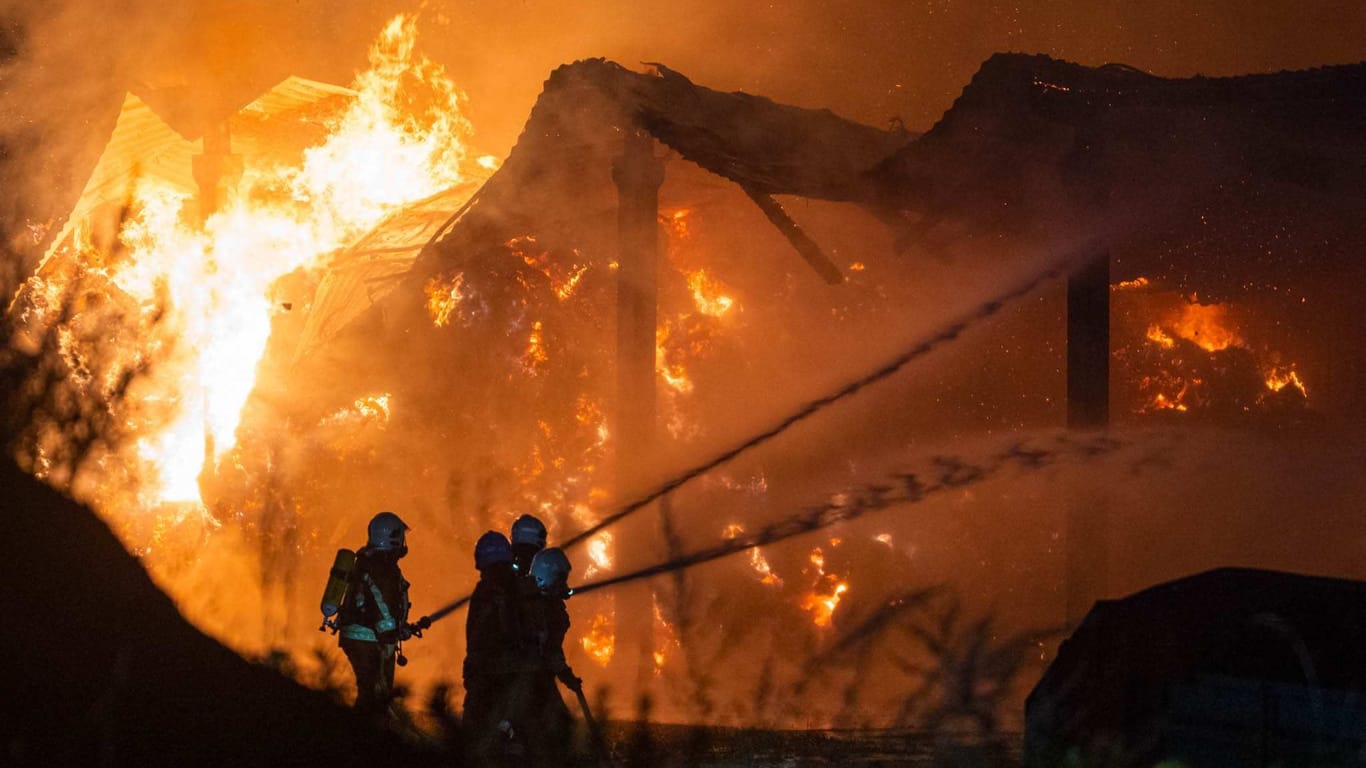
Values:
[(594, 730), (918, 350)]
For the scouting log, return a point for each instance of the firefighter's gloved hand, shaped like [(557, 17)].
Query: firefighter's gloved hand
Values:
[(570, 680), (424, 623)]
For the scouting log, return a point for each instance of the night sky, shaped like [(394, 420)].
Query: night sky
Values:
[(870, 60)]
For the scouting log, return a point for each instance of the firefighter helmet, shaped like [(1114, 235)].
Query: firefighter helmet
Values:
[(492, 547), (528, 530), (386, 532), (550, 568)]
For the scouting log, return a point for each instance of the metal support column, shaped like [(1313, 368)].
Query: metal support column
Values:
[(1088, 409)]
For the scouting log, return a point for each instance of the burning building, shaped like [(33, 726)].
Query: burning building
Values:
[(658, 269)]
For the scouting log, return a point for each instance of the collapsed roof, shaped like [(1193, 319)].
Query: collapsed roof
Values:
[(1032, 142)]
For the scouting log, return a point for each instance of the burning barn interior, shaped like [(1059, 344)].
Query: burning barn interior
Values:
[(892, 409)]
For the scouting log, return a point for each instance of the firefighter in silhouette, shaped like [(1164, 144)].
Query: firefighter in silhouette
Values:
[(538, 715), (528, 538), (492, 634), (374, 616)]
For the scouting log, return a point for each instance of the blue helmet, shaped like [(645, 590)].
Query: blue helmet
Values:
[(528, 530), (386, 532), (550, 569), (492, 547)]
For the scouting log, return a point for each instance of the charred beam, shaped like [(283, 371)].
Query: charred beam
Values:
[(806, 247)]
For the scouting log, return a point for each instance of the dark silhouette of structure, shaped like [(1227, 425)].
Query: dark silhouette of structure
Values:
[(1228, 667)]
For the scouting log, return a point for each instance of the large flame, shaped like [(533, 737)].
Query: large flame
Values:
[(209, 283)]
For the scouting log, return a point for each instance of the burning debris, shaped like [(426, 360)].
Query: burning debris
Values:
[(1194, 357)]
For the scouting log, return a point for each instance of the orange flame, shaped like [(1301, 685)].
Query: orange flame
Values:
[(599, 559), (706, 294), (757, 561), (1278, 378), (827, 592), (400, 140), (374, 408), (1205, 325), (535, 355), (443, 298), (562, 281), (666, 638), (674, 374), (1156, 334), (599, 642)]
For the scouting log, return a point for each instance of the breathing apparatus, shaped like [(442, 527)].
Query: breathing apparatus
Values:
[(338, 582)]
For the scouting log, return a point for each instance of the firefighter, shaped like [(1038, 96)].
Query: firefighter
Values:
[(538, 712), (491, 638), (374, 616), (528, 538)]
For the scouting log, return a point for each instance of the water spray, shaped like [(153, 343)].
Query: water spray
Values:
[(918, 350)]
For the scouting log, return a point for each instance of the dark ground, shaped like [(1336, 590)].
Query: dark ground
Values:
[(676, 745), (100, 669)]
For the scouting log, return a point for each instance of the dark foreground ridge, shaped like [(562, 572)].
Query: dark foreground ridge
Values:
[(100, 669)]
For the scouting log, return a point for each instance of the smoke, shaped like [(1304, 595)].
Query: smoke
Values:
[(871, 60)]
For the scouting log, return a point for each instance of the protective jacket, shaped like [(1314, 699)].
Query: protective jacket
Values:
[(376, 606), (546, 624), (493, 625), (534, 703)]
